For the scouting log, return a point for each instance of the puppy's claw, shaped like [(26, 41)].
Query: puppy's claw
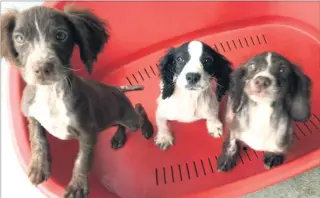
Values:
[(226, 163), (215, 129), (39, 171), (163, 146), (77, 190), (118, 142), (273, 161), (164, 142), (216, 134)]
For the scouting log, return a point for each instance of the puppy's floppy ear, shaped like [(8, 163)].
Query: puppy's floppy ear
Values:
[(90, 34), (166, 67), (223, 71), (237, 83), (298, 100), (8, 51)]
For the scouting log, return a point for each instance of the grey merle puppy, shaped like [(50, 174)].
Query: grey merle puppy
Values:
[(267, 94), (39, 42)]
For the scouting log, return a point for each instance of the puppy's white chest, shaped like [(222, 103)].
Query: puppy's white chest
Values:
[(259, 134), (51, 112), (180, 109)]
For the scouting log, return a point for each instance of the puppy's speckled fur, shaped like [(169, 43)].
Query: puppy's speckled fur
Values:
[(39, 42), (267, 94)]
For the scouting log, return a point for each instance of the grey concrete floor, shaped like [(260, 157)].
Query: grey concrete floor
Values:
[(306, 185)]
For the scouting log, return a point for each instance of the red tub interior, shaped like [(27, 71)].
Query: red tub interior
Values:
[(141, 32)]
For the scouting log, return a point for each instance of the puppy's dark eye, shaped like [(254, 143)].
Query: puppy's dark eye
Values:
[(61, 35), (208, 60), (180, 59), (19, 38), (282, 70)]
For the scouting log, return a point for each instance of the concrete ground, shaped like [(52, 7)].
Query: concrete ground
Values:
[(306, 185)]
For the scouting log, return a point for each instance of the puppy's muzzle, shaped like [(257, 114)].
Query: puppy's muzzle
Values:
[(43, 71), (261, 83), (193, 78)]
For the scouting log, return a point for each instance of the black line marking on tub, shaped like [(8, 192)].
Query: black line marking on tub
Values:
[(234, 43), (252, 41), (141, 75), (316, 117), (215, 46), (222, 47), (157, 180), (188, 170), (314, 124), (164, 175), (135, 78), (204, 170), (128, 80), (210, 164), (307, 127), (265, 39), (145, 70), (153, 70), (247, 155), (301, 130), (246, 41), (240, 43), (258, 39), (255, 153), (179, 167), (240, 157), (195, 168), (246, 151), (228, 46), (172, 174)]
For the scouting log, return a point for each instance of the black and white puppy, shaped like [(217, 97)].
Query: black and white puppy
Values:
[(266, 95), (187, 92)]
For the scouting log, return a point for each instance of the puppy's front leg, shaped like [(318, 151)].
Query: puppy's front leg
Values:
[(146, 125), (227, 160), (79, 184), (40, 166), (213, 123), (164, 138), (214, 127)]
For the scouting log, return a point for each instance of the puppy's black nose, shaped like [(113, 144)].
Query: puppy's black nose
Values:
[(262, 82), (44, 70), (193, 78)]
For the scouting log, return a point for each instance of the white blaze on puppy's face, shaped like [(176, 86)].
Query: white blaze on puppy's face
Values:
[(193, 65), (268, 59), (40, 53), (265, 72), (263, 69)]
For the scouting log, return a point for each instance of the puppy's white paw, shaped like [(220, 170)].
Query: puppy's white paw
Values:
[(215, 128), (163, 141)]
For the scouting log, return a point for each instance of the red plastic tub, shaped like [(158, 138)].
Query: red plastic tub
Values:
[(141, 32)]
